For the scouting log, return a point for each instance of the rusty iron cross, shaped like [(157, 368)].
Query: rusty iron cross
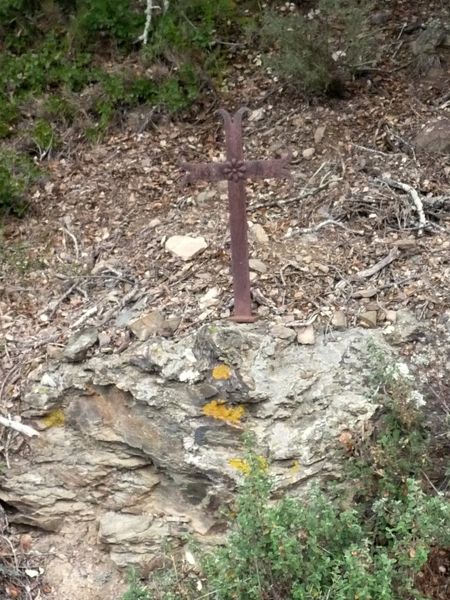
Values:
[(236, 170)]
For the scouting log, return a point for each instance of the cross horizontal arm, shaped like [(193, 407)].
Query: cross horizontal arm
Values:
[(268, 169), (236, 170), (203, 172)]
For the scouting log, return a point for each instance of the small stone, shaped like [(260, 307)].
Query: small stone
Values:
[(257, 265), (322, 268), (406, 328), (257, 115), (104, 339), (79, 344), (308, 153), (435, 137), (369, 292), (391, 315), (54, 352), (263, 311), (381, 17), (185, 247), (253, 276), (206, 195), (372, 306), (153, 323), (207, 391), (211, 298), (306, 335), (339, 320), (368, 318), (154, 223), (259, 234), (282, 332), (318, 134)]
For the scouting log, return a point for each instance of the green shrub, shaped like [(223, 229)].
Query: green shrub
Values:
[(317, 51), (115, 21), (54, 63), (8, 116), (191, 25), (17, 172), (315, 548), (59, 110), (399, 450)]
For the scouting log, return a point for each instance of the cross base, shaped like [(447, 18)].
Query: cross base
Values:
[(243, 318)]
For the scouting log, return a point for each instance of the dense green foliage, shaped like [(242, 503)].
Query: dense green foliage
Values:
[(81, 65)]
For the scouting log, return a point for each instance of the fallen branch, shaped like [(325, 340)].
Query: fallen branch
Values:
[(328, 222), (60, 300), (393, 254), (414, 197), (149, 8), (148, 22), (281, 202), (17, 426), (84, 317)]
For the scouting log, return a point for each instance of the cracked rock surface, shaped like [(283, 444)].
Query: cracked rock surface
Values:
[(139, 446)]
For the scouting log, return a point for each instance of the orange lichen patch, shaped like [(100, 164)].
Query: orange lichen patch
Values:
[(218, 409), (55, 418), (241, 465), (221, 372)]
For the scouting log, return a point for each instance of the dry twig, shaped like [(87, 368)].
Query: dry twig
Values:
[(17, 426), (414, 197), (384, 262)]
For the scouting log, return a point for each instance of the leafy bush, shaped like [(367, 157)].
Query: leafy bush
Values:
[(399, 450), (191, 25), (116, 21), (17, 172), (135, 591), (316, 51), (313, 548)]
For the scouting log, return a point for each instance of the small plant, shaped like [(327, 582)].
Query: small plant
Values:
[(17, 172), (135, 591), (399, 449), (317, 51), (44, 137)]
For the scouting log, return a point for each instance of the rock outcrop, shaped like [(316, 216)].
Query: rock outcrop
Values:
[(146, 445)]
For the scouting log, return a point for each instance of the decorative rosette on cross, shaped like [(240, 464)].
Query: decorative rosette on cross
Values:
[(235, 170)]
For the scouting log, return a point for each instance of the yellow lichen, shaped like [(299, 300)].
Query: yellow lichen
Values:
[(295, 467), (241, 465), (219, 409), (55, 418), (221, 372)]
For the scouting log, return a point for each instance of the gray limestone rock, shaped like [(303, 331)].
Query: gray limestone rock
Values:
[(79, 344), (435, 137), (143, 444)]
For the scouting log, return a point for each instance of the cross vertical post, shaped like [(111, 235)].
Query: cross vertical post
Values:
[(238, 217), (235, 170)]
